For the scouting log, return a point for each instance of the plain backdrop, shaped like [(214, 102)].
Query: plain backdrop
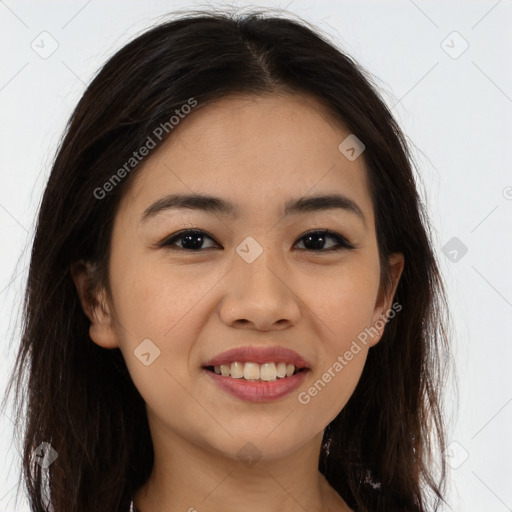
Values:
[(443, 67)]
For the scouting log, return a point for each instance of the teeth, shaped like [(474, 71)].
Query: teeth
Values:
[(237, 370), (254, 371), (268, 371), (251, 371), (281, 370)]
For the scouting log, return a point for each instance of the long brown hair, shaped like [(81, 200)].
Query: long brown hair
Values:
[(379, 452)]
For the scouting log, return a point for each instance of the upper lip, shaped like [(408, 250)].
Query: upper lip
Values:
[(260, 355)]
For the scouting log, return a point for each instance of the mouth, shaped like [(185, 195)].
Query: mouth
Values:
[(257, 390), (250, 371), (266, 372), (251, 362), (257, 374)]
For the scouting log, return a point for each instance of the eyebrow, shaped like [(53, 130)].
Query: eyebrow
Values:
[(216, 205)]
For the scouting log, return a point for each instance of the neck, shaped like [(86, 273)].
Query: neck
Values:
[(188, 477)]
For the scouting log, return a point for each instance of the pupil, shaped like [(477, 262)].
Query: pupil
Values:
[(319, 244), (190, 238)]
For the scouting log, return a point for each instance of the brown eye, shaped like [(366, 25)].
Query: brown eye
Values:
[(191, 240), (315, 241)]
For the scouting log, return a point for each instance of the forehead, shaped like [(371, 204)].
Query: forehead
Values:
[(258, 151)]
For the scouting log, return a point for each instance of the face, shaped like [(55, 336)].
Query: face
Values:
[(254, 275)]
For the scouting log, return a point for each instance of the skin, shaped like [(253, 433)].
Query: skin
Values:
[(258, 152)]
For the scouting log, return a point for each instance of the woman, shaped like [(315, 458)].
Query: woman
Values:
[(232, 298)]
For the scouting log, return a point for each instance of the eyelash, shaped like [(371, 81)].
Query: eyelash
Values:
[(342, 242)]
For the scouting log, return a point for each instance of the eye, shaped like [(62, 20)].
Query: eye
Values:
[(192, 240), (316, 240)]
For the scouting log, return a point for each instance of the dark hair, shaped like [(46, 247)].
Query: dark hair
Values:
[(378, 452)]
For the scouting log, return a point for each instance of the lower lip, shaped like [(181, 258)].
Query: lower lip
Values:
[(258, 391)]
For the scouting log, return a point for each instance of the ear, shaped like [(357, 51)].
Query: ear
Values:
[(94, 304), (384, 302)]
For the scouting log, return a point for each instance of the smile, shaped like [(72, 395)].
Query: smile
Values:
[(253, 371), (252, 390)]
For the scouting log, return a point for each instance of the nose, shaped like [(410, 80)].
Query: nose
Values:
[(260, 295)]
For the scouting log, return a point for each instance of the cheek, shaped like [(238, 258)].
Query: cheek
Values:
[(344, 301), (161, 307), (344, 306), (343, 356), (325, 395), (155, 299)]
